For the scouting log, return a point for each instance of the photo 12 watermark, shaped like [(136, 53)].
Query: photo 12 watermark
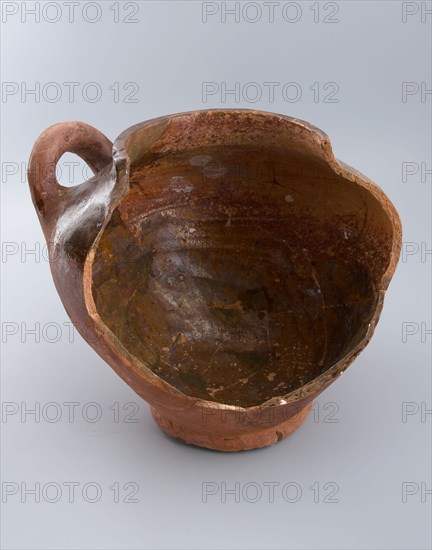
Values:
[(416, 330), (414, 92), (270, 92), (55, 332), (420, 252), (415, 491), (320, 413), (70, 12), (67, 172), (270, 12), (70, 412), (414, 172), (413, 411), (416, 11), (69, 92), (52, 492), (252, 492)]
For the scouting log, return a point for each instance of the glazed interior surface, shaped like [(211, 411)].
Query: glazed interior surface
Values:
[(237, 273)]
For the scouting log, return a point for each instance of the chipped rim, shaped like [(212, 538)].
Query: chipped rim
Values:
[(138, 370)]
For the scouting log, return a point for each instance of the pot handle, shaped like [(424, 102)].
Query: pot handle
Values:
[(66, 137)]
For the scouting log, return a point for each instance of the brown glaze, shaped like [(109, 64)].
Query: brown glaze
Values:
[(223, 262)]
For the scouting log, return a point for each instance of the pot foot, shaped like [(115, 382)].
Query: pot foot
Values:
[(243, 442)]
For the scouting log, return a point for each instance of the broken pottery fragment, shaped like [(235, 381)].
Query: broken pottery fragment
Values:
[(223, 262)]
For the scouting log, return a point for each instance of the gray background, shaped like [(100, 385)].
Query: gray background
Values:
[(357, 439)]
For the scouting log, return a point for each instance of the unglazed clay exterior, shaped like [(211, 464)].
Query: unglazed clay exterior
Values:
[(223, 262)]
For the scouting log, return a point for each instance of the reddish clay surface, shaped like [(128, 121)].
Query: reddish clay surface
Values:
[(223, 262)]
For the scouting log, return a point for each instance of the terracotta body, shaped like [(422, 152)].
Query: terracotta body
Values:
[(223, 262)]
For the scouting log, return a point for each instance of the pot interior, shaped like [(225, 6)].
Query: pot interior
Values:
[(238, 270)]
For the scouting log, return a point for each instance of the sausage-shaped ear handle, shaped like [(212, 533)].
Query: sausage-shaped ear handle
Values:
[(66, 137)]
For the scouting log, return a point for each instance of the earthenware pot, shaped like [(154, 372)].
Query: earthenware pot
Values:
[(223, 262)]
